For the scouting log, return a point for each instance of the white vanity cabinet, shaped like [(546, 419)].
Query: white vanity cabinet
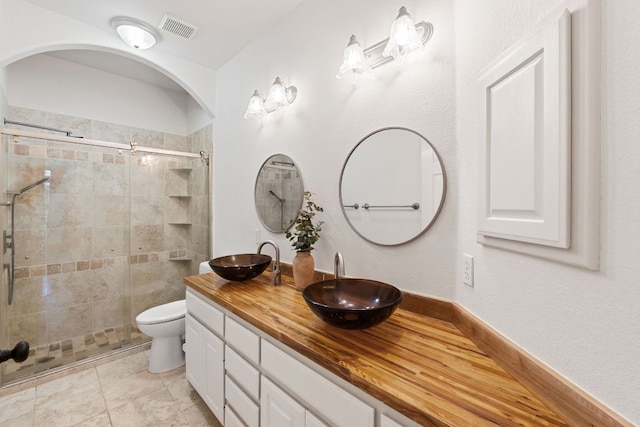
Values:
[(205, 353), (249, 379)]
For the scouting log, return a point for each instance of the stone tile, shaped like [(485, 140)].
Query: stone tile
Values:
[(68, 244), (77, 383), (121, 368), (110, 241), (69, 289), (124, 390), (153, 409), (17, 405), (31, 328), (100, 420), (147, 138), (31, 249), (109, 210), (199, 415), (182, 392), (29, 296), (26, 420), (147, 210), (70, 211), (64, 322), (68, 409)]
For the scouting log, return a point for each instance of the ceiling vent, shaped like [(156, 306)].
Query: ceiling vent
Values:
[(178, 27)]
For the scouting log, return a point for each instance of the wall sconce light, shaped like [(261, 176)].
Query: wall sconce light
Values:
[(135, 33), (279, 95), (404, 38)]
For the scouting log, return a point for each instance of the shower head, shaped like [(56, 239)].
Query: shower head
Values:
[(30, 186)]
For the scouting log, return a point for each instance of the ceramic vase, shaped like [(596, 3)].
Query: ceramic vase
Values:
[(303, 268)]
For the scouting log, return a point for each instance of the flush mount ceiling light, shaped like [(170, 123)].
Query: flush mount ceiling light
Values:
[(405, 37), (279, 96), (135, 33)]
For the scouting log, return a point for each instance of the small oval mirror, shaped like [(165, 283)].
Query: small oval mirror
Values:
[(392, 186), (279, 193)]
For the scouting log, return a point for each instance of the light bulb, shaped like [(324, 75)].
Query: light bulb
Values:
[(255, 107), (277, 97), (403, 38), (354, 62)]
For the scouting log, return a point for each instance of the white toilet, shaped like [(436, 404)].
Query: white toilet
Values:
[(165, 324)]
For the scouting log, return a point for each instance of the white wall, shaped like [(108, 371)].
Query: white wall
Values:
[(583, 324), (45, 83), (326, 121), (54, 31)]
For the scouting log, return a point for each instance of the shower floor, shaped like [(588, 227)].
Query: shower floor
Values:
[(55, 355)]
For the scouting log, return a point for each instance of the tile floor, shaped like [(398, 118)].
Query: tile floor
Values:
[(117, 391)]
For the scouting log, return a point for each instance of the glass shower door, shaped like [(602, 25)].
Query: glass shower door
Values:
[(71, 242)]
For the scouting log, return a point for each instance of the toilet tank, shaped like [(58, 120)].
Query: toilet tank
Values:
[(204, 268)]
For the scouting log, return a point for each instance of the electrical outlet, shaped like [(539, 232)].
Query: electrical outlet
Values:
[(257, 235), (467, 269)]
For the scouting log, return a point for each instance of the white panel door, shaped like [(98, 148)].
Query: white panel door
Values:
[(214, 373), (525, 140), (277, 409), (205, 364)]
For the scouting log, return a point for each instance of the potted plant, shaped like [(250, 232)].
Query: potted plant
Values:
[(304, 234)]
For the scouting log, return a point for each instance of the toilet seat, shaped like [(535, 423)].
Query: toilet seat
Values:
[(163, 313)]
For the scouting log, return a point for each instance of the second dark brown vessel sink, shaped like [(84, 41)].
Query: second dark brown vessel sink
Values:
[(240, 267), (352, 303)]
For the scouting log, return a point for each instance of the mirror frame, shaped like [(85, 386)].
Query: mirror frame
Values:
[(255, 189), (442, 198)]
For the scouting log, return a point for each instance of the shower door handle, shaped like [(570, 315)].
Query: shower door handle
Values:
[(19, 353), (5, 204)]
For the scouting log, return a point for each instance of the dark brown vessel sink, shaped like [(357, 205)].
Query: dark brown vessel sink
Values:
[(240, 267), (352, 303)]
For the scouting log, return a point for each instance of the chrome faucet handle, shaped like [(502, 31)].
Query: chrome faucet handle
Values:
[(276, 264), (338, 266)]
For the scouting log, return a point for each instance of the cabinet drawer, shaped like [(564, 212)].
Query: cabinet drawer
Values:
[(325, 397), (208, 315), (242, 372), (231, 419), (243, 340), (388, 422), (241, 404)]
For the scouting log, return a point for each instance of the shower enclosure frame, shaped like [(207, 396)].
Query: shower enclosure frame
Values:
[(133, 148)]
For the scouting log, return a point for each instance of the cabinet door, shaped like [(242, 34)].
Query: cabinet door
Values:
[(313, 421), (205, 364), (194, 349), (277, 409)]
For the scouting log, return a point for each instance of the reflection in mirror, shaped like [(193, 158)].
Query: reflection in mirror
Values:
[(278, 193), (392, 186)]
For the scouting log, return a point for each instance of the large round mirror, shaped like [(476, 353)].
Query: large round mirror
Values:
[(392, 186), (278, 193)]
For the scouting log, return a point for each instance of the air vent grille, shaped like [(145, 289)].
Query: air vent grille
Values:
[(178, 27)]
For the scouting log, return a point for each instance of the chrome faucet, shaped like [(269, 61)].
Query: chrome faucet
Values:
[(276, 265), (338, 266)]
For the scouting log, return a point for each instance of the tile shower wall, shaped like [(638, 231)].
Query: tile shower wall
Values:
[(106, 218)]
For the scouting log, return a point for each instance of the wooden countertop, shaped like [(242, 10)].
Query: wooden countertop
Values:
[(422, 367)]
